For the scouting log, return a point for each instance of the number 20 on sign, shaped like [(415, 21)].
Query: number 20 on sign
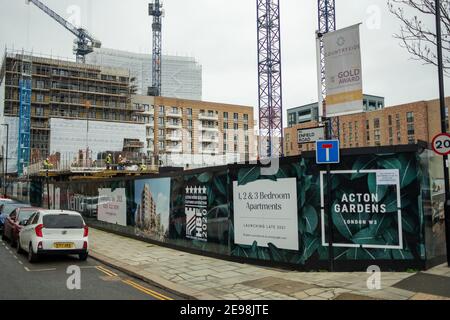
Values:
[(441, 144)]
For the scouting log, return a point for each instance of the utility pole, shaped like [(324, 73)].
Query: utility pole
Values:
[(443, 123)]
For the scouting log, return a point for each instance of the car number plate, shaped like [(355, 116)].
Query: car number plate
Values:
[(63, 245)]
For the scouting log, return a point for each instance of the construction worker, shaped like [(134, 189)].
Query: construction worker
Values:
[(108, 162), (47, 164), (142, 167), (121, 163)]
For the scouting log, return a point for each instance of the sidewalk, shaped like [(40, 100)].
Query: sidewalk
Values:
[(198, 277)]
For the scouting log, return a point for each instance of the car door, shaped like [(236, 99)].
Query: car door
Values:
[(9, 222), (26, 233)]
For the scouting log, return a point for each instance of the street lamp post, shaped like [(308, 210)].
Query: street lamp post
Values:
[(443, 123), (5, 171)]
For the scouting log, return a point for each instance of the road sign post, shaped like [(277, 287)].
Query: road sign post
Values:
[(328, 152)]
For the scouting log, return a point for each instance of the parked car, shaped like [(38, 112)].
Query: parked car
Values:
[(14, 223), (7, 207), (54, 232)]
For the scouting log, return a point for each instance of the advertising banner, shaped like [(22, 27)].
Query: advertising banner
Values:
[(196, 209), (152, 200), (361, 215), (343, 71), (265, 211), (111, 206)]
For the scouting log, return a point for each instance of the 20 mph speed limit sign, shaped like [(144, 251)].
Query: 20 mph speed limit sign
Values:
[(441, 144)]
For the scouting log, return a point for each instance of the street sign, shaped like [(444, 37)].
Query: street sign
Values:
[(441, 144), (310, 135), (327, 151)]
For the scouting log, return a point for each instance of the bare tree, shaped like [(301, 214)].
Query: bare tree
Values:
[(416, 36)]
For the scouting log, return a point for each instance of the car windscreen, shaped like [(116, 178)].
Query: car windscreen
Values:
[(62, 221), (25, 215)]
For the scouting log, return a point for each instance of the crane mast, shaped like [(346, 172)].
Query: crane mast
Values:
[(269, 79), (84, 44), (155, 10)]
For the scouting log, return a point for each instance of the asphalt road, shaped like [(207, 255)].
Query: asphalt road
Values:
[(48, 278)]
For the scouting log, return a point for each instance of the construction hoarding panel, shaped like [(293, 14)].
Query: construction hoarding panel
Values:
[(342, 53), (111, 205)]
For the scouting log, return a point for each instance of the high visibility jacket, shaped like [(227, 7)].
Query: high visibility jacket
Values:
[(47, 165), (108, 160)]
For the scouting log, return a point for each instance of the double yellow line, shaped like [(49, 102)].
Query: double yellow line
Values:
[(135, 285), (145, 290)]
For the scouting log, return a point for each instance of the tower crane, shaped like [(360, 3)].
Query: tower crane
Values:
[(269, 79), (155, 10), (84, 44)]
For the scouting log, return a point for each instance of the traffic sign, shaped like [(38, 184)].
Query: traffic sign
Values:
[(310, 135), (327, 151), (441, 144)]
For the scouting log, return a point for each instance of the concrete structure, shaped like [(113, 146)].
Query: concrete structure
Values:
[(181, 76), (71, 91), (310, 112), (396, 125), (196, 133)]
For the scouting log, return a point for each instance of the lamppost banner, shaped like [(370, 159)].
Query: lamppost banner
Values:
[(342, 53)]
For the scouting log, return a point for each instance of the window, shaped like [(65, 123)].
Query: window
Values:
[(391, 132), (367, 125), (397, 120), (236, 117), (161, 109), (376, 123), (411, 129), (225, 125), (39, 97), (236, 126), (410, 117), (246, 127), (411, 140), (390, 120), (225, 115), (189, 111), (377, 135), (161, 121), (245, 117)]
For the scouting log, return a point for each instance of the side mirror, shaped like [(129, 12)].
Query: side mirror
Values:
[(23, 222)]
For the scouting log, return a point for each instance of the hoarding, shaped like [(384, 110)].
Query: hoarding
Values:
[(265, 211), (342, 54), (111, 206)]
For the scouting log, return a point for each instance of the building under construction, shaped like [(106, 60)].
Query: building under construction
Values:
[(72, 107)]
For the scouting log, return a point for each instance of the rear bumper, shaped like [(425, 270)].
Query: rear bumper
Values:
[(61, 252)]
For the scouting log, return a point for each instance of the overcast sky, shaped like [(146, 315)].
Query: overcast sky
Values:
[(221, 35)]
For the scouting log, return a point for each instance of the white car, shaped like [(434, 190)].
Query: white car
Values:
[(54, 232)]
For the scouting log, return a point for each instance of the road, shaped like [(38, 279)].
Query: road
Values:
[(48, 278)]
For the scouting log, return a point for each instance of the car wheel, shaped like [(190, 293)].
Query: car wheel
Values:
[(19, 248), (83, 256), (32, 257)]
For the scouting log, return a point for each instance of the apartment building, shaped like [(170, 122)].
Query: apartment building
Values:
[(310, 112), (196, 132), (395, 125), (73, 106)]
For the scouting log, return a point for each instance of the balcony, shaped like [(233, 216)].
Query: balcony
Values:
[(174, 137), (209, 150), (209, 128), (174, 149), (208, 116), (209, 139), (172, 114), (173, 125)]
